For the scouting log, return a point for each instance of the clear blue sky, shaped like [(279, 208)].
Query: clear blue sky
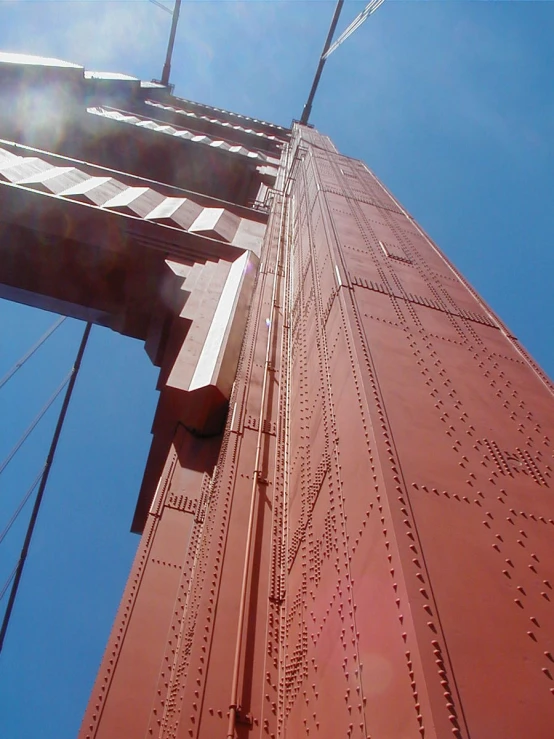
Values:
[(450, 103)]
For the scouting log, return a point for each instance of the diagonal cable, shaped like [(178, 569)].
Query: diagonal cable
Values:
[(21, 506), (33, 425), (43, 482), (31, 351), (8, 581), (356, 23), (162, 6), (306, 112)]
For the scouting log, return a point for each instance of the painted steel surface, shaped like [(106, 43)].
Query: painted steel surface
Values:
[(420, 518), (399, 583)]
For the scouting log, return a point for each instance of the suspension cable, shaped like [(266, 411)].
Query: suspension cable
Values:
[(167, 66), (308, 107), (34, 424), (356, 23), (21, 506), (162, 6), (6, 585), (31, 351), (38, 500), (328, 49)]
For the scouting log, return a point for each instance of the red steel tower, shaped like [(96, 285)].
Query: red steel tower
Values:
[(347, 518)]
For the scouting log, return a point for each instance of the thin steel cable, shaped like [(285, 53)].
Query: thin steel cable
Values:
[(162, 6), (21, 506), (305, 117), (38, 500), (356, 23), (28, 431), (166, 71), (8, 581), (20, 362)]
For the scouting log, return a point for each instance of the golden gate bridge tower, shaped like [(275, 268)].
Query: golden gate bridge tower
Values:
[(346, 517)]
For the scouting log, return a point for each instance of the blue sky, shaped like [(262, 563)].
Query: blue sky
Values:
[(450, 103)]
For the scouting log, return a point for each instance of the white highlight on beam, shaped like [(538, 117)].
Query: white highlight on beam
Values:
[(205, 371)]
